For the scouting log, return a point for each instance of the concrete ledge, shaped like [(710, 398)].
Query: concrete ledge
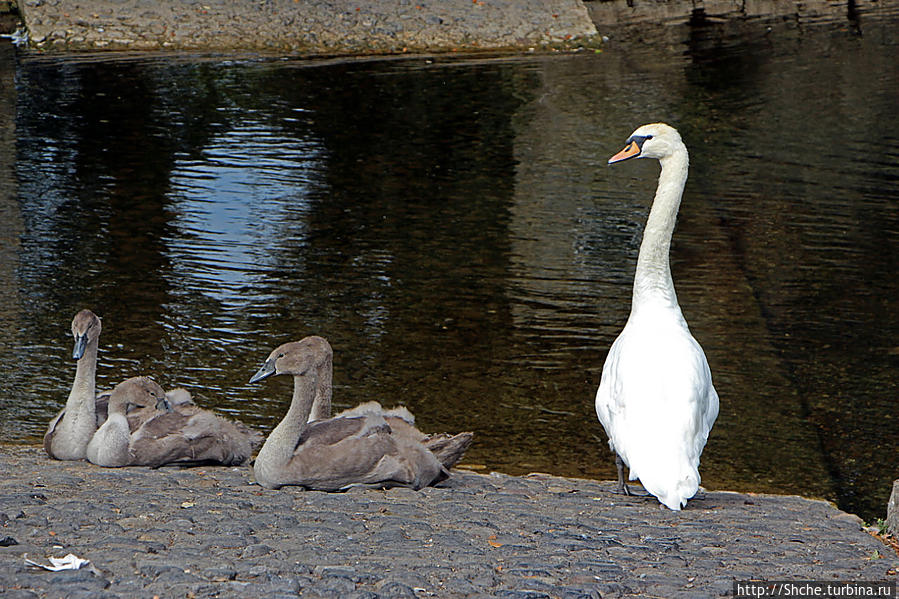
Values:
[(313, 27)]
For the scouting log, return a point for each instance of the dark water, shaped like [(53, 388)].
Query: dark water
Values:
[(452, 228)]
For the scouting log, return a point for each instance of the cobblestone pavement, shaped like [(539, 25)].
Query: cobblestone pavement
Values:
[(210, 532)]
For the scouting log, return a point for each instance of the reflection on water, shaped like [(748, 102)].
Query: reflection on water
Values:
[(452, 228)]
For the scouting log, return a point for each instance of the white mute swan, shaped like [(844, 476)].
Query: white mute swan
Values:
[(366, 446), (655, 400)]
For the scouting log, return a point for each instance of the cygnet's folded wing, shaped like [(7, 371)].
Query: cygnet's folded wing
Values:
[(369, 457), (189, 436)]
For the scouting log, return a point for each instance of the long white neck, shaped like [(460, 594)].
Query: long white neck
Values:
[(282, 441), (652, 281), (78, 424), (321, 406)]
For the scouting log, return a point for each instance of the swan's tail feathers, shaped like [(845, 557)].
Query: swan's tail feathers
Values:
[(675, 494), (449, 449)]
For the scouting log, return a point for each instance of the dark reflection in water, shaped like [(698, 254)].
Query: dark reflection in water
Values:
[(452, 228)]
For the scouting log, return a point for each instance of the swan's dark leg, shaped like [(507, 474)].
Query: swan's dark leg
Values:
[(622, 488)]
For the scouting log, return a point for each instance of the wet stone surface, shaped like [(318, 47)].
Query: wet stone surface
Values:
[(210, 532)]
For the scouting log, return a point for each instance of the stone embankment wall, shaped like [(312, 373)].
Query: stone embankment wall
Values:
[(611, 13), (304, 26)]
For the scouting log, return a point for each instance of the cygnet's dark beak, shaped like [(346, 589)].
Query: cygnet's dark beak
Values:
[(267, 370), (80, 346)]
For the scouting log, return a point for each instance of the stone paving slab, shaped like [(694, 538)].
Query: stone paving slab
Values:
[(313, 27), (210, 532)]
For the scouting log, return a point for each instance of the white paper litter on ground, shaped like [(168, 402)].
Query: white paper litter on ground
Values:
[(69, 562)]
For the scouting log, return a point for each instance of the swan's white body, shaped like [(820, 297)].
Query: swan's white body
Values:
[(656, 400)]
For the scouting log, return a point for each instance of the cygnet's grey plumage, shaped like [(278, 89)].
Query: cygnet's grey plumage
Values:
[(144, 429), (111, 444), (71, 430), (187, 435), (175, 397), (449, 448), (366, 446)]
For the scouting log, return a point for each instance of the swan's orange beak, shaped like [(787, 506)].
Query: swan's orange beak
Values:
[(630, 151)]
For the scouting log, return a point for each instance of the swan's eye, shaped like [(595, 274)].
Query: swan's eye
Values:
[(647, 137)]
